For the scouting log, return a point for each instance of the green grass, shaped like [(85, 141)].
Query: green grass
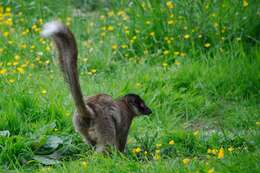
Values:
[(205, 99)]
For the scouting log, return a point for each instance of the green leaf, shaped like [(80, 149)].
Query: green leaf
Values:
[(45, 160)]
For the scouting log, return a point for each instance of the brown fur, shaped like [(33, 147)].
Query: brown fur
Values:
[(100, 120)]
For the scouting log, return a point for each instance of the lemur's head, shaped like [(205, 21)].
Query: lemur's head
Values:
[(137, 104)]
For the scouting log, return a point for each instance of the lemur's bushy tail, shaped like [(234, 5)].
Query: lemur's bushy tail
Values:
[(67, 49)]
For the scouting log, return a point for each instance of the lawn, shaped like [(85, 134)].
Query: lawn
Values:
[(196, 64)]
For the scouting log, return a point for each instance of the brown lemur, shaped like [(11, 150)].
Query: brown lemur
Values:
[(101, 120)]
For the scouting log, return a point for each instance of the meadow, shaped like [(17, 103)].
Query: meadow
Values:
[(195, 62)]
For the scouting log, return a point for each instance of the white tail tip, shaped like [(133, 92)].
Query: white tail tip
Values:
[(52, 28)]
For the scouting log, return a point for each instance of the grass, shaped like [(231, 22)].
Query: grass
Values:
[(200, 77)]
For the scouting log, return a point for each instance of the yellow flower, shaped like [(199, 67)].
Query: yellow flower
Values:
[(67, 113), (221, 153), (138, 85), (157, 156), (207, 45), (170, 4), (170, 22), (186, 36), (47, 62), (169, 41), (121, 13), (6, 33), (34, 27), (40, 21), (84, 163), (3, 71), (8, 10), (20, 70), (171, 142), (17, 57), (245, 3), (85, 59), (177, 62), (196, 133), (103, 28), (124, 46), (127, 32), (114, 47), (214, 151), (176, 53), (25, 32), (110, 28), (38, 58), (38, 29), (93, 71), (257, 123), (11, 80), (211, 170), (43, 91), (166, 52), (132, 41), (164, 65), (102, 17), (157, 151), (148, 22), (110, 13), (230, 149), (47, 48), (15, 63), (137, 150), (7, 14), (186, 161), (9, 22), (152, 34), (209, 151), (158, 145), (23, 46)]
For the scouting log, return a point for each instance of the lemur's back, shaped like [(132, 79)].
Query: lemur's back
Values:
[(102, 129)]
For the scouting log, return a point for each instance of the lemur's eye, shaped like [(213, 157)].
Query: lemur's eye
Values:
[(142, 105)]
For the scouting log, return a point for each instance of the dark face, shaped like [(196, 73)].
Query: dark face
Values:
[(138, 104)]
